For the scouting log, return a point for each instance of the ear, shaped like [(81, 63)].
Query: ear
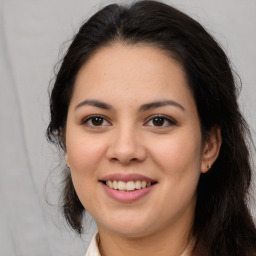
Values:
[(67, 160), (211, 149)]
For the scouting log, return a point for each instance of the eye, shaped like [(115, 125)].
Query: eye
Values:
[(95, 121), (160, 121)]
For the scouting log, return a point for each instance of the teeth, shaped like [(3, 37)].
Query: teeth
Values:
[(121, 185), (110, 183), (130, 185), (143, 184), (127, 186), (138, 184), (115, 184)]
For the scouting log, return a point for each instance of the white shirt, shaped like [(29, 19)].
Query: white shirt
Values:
[(93, 249)]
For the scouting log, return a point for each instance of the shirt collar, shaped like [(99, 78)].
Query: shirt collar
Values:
[(93, 249)]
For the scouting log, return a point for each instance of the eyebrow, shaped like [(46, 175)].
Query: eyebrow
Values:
[(158, 104), (142, 108), (94, 103)]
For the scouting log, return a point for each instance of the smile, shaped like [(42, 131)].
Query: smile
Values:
[(127, 186)]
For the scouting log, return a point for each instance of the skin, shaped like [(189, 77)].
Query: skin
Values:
[(127, 140)]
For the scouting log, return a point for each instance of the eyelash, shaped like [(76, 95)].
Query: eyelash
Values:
[(170, 121), (90, 119)]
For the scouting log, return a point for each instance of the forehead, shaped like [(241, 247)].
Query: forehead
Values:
[(142, 70), (130, 57)]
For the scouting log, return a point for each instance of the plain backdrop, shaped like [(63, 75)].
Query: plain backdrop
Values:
[(31, 34)]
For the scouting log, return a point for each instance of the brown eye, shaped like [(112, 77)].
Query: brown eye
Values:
[(95, 121), (160, 121)]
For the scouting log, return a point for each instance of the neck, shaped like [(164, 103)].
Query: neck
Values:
[(169, 241)]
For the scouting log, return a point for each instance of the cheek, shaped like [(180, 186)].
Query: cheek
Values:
[(179, 159), (180, 151), (84, 154)]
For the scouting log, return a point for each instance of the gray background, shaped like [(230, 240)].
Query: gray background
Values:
[(31, 34)]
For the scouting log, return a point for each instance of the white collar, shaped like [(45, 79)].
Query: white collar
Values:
[(93, 249)]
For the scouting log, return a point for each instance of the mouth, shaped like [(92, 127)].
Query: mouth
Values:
[(127, 188), (128, 185)]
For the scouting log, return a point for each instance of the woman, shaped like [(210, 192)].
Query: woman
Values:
[(144, 106)]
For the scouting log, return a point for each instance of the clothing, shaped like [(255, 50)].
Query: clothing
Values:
[(93, 249)]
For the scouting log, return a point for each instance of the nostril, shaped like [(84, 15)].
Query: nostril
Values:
[(126, 150), (124, 161)]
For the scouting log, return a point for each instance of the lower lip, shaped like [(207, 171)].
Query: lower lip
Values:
[(127, 196)]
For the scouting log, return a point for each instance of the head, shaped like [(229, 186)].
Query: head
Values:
[(205, 67)]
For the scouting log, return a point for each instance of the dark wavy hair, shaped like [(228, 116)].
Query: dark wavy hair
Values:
[(222, 225)]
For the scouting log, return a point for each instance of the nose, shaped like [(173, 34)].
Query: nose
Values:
[(126, 146)]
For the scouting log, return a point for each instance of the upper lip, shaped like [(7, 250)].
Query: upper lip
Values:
[(127, 177)]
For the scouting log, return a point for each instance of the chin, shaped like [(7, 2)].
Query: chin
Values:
[(129, 227)]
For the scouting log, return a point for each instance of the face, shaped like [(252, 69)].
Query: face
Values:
[(133, 141)]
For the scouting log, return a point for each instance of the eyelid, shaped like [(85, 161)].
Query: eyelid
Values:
[(170, 120), (167, 118), (88, 118)]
